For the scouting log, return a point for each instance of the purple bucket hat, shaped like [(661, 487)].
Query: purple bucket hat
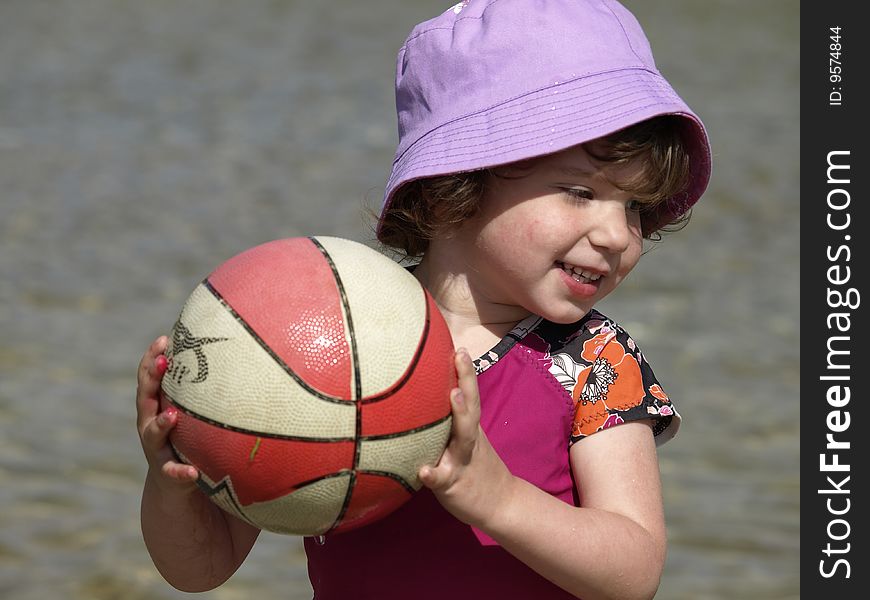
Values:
[(491, 82)]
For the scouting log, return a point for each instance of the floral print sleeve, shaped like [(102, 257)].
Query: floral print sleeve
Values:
[(609, 380)]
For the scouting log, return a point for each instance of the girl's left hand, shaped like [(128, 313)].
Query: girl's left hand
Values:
[(470, 480)]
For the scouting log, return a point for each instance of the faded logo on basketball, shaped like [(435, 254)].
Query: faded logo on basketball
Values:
[(184, 341)]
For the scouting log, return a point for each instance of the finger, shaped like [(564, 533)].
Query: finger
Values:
[(151, 370), (158, 451), (463, 433), (155, 432), (146, 365), (434, 478), (179, 471), (467, 380), (465, 403)]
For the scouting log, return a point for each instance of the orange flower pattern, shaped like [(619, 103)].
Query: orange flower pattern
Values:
[(604, 371), (600, 367), (613, 383)]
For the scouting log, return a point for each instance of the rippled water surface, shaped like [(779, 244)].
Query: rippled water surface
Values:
[(142, 143)]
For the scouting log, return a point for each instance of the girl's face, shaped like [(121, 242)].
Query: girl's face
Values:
[(554, 239)]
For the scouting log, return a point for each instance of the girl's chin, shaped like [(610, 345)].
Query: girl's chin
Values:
[(565, 313)]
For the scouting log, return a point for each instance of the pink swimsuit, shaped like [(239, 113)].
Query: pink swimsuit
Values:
[(543, 387)]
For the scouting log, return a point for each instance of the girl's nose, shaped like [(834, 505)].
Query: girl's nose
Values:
[(612, 229)]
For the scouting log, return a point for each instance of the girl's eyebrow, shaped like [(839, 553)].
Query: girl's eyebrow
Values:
[(572, 171)]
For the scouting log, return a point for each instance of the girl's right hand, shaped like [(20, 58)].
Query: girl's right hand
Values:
[(194, 544), (154, 425)]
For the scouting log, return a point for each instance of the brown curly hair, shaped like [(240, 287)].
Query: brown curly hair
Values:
[(426, 209)]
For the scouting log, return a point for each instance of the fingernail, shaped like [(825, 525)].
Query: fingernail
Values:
[(161, 363), (166, 417), (459, 398)]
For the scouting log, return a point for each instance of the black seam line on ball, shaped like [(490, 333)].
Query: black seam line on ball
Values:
[(357, 381), (418, 353), (316, 393), (333, 475), (352, 475), (275, 436), (397, 478), (347, 495), (225, 484), (389, 436), (351, 332)]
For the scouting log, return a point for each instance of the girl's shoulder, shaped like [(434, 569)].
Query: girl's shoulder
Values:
[(608, 376), (555, 337), (599, 364)]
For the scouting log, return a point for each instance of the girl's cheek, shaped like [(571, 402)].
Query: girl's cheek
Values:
[(530, 231), (629, 262)]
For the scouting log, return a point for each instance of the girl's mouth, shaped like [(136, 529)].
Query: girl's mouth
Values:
[(578, 273)]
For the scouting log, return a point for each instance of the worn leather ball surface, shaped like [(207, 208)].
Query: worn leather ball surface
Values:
[(312, 380)]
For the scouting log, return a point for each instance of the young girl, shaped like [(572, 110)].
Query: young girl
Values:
[(538, 147)]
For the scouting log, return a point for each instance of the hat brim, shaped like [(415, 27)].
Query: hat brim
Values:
[(552, 119)]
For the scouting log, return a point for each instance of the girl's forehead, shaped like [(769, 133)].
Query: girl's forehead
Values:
[(571, 160), (578, 161)]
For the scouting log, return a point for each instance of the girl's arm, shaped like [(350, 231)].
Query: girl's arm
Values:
[(612, 546), (194, 544)]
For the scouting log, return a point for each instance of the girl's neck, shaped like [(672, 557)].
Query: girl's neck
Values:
[(475, 323)]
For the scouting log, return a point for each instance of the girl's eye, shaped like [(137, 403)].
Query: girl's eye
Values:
[(634, 206), (579, 194)]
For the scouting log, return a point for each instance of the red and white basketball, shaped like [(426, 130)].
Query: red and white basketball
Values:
[(312, 380)]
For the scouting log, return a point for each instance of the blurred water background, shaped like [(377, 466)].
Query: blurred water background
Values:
[(143, 143)]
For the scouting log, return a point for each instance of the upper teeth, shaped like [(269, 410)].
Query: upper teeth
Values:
[(579, 274)]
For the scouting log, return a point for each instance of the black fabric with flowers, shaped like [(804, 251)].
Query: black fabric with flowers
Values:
[(601, 367)]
